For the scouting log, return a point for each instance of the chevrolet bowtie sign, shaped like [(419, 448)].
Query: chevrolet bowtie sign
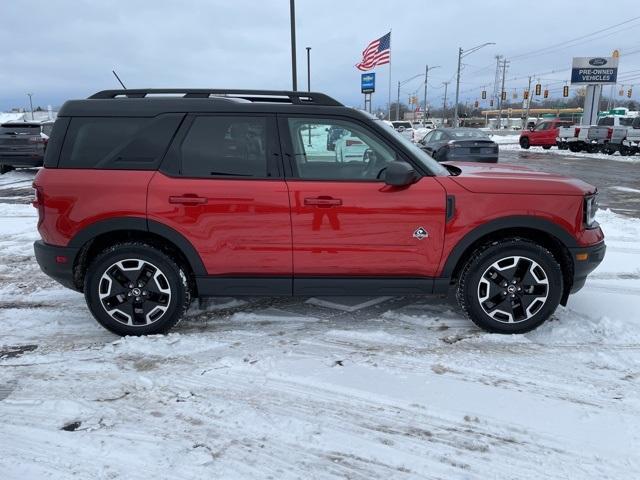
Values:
[(368, 82), (594, 70)]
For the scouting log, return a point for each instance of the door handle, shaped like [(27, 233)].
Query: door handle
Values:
[(187, 199), (323, 201)]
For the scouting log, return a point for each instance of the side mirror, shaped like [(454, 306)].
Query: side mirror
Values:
[(531, 129), (399, 174), (326, 129)]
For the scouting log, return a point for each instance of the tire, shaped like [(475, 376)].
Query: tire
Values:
[(593, 148), (507, 259), (111, 281), (546, 147), (575, 147), (524, 143)]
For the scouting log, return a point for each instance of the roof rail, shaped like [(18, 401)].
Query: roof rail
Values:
[(298, 98)]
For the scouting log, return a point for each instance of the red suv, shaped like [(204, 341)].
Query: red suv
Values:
[(544, 134), (147, 201)]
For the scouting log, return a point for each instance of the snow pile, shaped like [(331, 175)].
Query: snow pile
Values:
[(506, 139)]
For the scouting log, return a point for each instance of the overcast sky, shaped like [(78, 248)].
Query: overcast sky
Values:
[(60, 49)]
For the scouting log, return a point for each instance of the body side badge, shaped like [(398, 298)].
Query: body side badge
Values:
[(420, 233)]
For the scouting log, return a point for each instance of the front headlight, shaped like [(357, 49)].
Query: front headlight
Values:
[(590, 209)]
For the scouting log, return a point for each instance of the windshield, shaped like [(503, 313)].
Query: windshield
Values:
[(468, 134), (19, 129), (429, 163)]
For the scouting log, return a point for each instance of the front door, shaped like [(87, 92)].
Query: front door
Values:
[(346, 221), (221, 188)]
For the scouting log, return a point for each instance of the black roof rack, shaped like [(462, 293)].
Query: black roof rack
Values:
[(297, 98)]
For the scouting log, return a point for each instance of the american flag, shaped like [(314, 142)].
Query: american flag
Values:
[(377, 52)]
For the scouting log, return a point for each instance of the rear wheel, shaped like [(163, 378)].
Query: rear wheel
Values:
[(524, 143), (546, 147), (575, 147), (136, 289), (510, 286)]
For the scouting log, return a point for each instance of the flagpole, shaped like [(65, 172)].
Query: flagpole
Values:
[(389, 108)]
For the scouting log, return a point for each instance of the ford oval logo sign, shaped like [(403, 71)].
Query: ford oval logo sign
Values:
[(598, 62)]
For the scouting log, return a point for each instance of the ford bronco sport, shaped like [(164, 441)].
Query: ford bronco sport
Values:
[(149, 198)]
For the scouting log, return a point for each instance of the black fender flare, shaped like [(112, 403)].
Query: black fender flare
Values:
[(141, 224), (531, 223)]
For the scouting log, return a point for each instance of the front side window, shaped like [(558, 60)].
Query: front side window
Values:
[(225, 146), (327, 149)]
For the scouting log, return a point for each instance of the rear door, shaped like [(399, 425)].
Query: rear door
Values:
[(221, 187), (346, 221)]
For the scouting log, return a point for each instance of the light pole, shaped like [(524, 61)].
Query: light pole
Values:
[(294, 73), (426, 79), (31, 104), (309, 81), (461, 55), (444, 104), (399, 85)]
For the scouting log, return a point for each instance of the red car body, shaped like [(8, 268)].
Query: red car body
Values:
[(265, 227), (544, 134)]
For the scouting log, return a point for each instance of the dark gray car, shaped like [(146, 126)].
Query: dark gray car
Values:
[(459, 144), (22, 144)]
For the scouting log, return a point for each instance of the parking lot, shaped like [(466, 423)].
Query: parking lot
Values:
[(385, 387)]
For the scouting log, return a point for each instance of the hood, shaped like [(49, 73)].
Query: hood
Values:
[(496, 178)]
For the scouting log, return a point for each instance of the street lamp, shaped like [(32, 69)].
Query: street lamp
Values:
[(399, 85), (461, 55), (292, 18), (31, 104), (426, 79), (309, 81)]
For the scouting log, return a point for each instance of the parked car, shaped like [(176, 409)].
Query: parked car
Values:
[(631, 144), (350, 148), (404, 128), (334, 133), (460, 144), (544, 134), (22, 144), (146, 202)]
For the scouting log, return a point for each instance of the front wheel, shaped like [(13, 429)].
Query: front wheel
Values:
[(510, 286), (575, 147), (134, 288), (524, 143)]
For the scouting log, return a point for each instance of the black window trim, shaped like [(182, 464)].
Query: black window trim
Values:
[(171, 165), (288, 157)]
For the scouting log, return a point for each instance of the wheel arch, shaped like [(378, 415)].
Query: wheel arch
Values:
[(551, 236), (99, 235)]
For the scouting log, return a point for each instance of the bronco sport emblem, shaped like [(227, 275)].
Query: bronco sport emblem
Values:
[(420, 233)]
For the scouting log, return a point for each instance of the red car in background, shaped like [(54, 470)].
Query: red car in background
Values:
[(543, 135)]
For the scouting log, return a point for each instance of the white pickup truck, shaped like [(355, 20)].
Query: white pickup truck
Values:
[(608, 136)]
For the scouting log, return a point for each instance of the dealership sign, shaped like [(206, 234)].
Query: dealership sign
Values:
[(368, 82), (594, 70)]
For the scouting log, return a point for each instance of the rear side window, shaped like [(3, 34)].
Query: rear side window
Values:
[(226, 146), (120, 143)]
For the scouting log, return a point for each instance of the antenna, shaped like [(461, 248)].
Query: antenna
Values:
[(118, 78)]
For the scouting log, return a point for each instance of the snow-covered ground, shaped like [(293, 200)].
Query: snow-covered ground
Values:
[(318, 388)]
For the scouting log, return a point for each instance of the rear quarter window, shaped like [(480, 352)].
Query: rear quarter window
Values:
[(118, 143)]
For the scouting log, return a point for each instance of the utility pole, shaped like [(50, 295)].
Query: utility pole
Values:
[(398, 104), (444, 104), (426, 79), (504, 72), (526, 115), (496, 79), (31, 104), (294, 72), (455, 108), (461, 54)]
